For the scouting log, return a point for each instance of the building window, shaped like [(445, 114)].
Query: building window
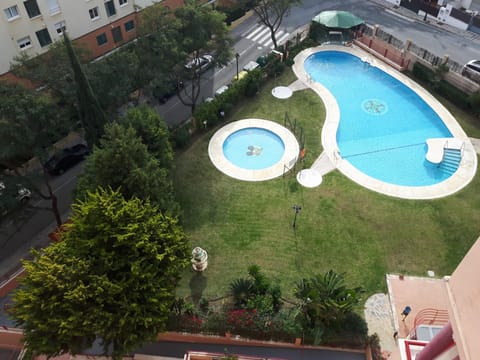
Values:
[(117, 34), (94, 13), (53, 7), (32, 8), (24, 43), (43, 37), (129, 25), (11, 12), (110, 7), (123, 2), (102, 39), (60, 27)]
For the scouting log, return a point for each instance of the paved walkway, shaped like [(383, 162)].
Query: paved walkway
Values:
[(476, 144), (379, 317)]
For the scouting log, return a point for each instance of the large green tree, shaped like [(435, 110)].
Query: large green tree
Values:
[(30, 123), (153, 131), (115, 77), (51, 70), (169, 42), (90, 112), (123, 161), (272, 12), (111, 277)]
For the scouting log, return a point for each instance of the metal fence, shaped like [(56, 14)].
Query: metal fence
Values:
[(420, 52), (389, 38)]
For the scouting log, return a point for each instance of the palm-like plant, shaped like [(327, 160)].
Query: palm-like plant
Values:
[(326, 298), (241, 290)]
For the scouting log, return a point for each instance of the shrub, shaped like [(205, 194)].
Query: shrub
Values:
[(451, 93), (181, 136), (474, 102), (208, 113), (352, 331), (423, 73), (216, 323), (251, 84)]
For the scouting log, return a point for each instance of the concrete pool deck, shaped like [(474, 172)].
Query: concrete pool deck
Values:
[(468, 165)]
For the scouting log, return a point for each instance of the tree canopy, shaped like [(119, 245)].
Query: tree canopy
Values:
[(153, 131), (20, 110), (91, 114), (112, 277), (169, 40), (122, 161)]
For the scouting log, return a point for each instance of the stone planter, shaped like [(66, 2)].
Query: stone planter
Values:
[(199, 259)]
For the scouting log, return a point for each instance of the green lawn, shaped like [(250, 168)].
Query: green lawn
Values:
[(341, 226)]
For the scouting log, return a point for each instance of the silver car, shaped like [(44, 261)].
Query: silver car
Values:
[(471, 70), (22, 196), (201, 63)]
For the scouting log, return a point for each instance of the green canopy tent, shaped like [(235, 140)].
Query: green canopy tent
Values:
[(337, 19), (341, 21)]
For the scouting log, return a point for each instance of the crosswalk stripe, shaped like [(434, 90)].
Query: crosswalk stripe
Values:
[(249, 36), (277, 35), (267, 35), (284, 37), (260, 34)]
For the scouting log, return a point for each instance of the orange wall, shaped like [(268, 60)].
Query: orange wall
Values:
[(89, 41)]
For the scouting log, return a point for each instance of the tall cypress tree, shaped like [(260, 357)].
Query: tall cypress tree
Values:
[(90, 112)]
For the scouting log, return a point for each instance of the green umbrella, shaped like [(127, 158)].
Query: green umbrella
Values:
[(337, 19)]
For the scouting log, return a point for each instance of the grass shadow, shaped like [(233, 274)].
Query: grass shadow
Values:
[(198, 283)]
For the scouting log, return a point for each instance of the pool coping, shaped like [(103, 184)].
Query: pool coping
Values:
[(461, 178), (289, 158)]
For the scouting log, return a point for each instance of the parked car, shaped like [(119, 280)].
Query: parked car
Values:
[(16, 197), (471, 70), (66, 158), (201, 63)]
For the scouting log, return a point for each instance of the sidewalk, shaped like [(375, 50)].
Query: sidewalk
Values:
[(401, 11)]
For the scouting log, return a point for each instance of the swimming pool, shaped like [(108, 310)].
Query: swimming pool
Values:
[(253, 148), (383, 124)]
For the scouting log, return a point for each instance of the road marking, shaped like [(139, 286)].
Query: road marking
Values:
[(262, 36), (253, 33)]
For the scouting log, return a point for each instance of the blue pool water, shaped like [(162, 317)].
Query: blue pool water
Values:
[(253, 148), (384, 124)]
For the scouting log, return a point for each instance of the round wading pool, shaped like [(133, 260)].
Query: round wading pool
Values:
[(253, 150)]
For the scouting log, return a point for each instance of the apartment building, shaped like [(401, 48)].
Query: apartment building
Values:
[(30, 26)]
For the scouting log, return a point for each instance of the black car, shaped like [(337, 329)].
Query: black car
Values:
[(66, 158)]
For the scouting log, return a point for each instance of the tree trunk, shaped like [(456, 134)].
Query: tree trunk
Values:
[(274, 39), (53, 198)]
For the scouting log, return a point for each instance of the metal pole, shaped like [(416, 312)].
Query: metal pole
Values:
[(237, 55), (297, 209)]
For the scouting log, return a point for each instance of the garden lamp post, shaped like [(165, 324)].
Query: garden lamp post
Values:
[(237, 55), (297, 209)]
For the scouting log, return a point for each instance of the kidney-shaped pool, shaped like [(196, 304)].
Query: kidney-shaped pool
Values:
[(383, 124)]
